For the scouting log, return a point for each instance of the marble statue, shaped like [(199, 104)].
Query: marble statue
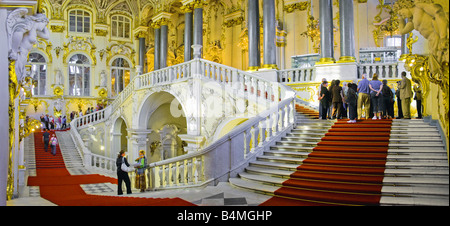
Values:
[(431, 22), (23, 30)]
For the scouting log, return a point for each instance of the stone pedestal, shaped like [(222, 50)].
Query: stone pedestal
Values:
[(268, 74), (341, 71), (194, 142)]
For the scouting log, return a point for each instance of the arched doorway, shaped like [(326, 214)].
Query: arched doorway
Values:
[(163, 115), (119, 139)]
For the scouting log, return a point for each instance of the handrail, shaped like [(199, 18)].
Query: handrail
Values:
[(231, 151), (296, 75), (243, 82)]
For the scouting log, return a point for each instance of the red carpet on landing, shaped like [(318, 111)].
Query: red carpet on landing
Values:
[(345, 168), (59, 187)]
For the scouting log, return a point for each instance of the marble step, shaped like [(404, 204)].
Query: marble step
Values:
[(387, 189), (431, 168)]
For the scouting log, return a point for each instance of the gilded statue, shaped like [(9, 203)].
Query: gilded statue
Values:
[(430, 20)]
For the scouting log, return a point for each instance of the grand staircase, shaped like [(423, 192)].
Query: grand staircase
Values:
[(413, 169)]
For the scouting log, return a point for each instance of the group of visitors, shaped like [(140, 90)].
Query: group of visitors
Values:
[(51, 141), (375, 97), (49, 122), (122, 172)]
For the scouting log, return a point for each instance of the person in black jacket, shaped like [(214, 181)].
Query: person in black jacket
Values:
[(324, 99), (387, 100), (122, 175), (351, 99)]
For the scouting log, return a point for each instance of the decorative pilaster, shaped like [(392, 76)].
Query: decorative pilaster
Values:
[(21, 29), (139, 141), (326, 32)]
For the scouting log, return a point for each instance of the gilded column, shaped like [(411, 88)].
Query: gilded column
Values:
[(254, 53), (188, 22), (198, 23), (161, 21), (142, 54), (163, 48), (270, 59), (347, 31), (326, 32), (140, 33), (156, 60)]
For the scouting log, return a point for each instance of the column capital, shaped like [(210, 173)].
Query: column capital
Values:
[(141, 32), (195, 3), (187, 7), (161, 19)]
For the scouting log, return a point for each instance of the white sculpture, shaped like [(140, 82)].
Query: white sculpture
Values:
[(103, 79), (58, 77), (23, 31)]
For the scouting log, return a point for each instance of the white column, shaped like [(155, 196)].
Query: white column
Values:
[(4, 104)]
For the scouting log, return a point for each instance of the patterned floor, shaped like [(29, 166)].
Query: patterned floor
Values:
[(223, 199), (221, 195)]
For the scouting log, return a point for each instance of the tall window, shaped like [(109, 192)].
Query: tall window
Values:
[(394, 41), (79, 75), (120, 75), (120, 26), (39, 70), (79, 21)]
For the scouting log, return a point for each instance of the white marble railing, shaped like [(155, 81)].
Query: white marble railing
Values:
[(384, 70), (296, 75), (226, 156), (240, 81), (92, 118)]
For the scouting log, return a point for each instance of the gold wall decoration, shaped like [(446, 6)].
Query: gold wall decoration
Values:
[(312, 30), (120, 48), (45, 47), (13, 93), (101, 32), (57, 28), (83, 44), (214, 52), (387, 26), (243, 40), (302, 6)]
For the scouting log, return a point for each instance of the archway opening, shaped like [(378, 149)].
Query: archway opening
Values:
[(163, 114)]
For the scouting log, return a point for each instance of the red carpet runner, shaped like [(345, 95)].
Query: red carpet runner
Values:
[(345, 168), (59, 187)]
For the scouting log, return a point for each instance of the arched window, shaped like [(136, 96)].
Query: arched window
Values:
[(120, 75), (39, 73), (79, 75), (120, 27), (79, 21)]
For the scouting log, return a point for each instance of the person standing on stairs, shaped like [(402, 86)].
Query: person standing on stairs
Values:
[(53, 143), (376, 96), (363, 97), (351, 99), (140, 171), (405, 95), (122, 175), (46, 139), (418, 98), (324, 99), (337, 100)]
